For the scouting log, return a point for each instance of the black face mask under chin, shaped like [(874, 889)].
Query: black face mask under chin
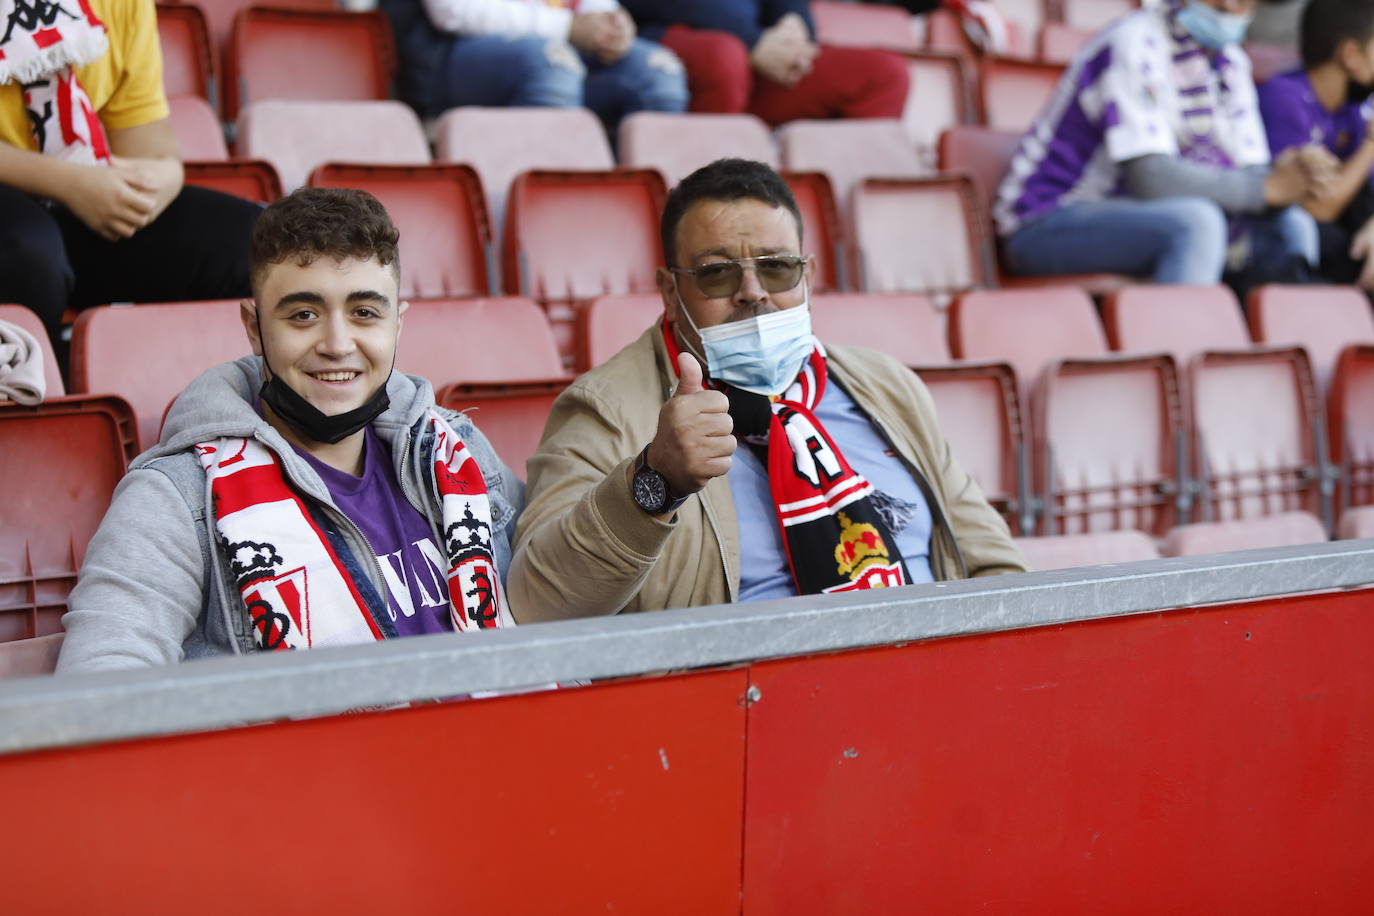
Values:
[(308, 420)]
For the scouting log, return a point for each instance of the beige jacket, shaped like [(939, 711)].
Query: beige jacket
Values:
[(582, 546)]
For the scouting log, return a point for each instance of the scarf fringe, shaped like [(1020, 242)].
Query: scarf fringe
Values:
[(78, 51)]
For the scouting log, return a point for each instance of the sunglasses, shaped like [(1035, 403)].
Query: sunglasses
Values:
[(777, 273)]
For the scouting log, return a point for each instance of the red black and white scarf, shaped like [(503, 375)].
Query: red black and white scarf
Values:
[(41, 45), (834, 537), (298, 592)]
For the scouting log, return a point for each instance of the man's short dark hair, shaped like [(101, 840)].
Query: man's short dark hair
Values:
[(725, 180), (1327, 23), (315, 223)]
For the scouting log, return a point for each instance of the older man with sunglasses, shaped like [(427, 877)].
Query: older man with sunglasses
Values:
[(726, 455)]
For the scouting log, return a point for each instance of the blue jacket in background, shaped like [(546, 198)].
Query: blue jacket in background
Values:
[(746, 19)]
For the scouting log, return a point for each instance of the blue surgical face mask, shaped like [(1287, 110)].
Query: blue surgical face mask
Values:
[(1211, 27), (762, 354)]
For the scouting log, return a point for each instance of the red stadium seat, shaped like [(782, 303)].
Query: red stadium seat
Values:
[(188, 59), (1015, 91), (307, 54), (1351, 427), (500, 143), (1357, 523), (864, 25), (822, 228), (296, 137), (941, 97), (903, 325), (446, 242), (511, 415), (945, 32), (477, 340), (1027, 328), (148, 353), (30, 657), (981, 418), (896, 247), (608, 324), (850, 151), (1182, 320), (197, 129), (1324, 319), (679, 144), (1269, 60), (220, 16), (1059, 42), (550, 254), (1285, 529), (1255, 417), (1026, 17), (1108, 446), (1071, 551), (59, 464), (251, 179), (26, 319), (1094, 14)]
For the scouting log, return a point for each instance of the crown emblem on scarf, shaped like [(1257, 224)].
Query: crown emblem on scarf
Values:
[(860, 547)]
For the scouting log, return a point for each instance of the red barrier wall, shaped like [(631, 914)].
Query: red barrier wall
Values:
[(1212, 761)]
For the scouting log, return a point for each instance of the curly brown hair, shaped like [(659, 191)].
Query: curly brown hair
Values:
[(313, 223)]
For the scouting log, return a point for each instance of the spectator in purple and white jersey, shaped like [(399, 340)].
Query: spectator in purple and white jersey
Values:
[(1326, 102), (1151, 160)]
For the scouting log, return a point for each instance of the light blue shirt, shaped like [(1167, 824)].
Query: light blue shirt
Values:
[(763, 560)]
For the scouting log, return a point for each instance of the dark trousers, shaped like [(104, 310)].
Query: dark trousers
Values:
[(49, 261)]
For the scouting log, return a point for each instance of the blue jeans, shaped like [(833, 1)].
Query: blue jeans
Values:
[(497, 71), (1170, 240)]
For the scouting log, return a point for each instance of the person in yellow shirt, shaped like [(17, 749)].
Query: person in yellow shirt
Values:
[(92, 203)]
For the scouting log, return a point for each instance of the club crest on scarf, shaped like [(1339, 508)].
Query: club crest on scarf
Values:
[(828, 550), (296, 588)]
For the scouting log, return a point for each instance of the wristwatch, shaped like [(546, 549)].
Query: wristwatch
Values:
[(650, 490)]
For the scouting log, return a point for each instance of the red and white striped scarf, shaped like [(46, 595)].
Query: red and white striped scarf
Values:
[(42, 44), (834, 537), (296, 588)]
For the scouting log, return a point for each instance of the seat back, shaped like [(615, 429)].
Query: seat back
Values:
[(1094, 14), (1351, 429), (894, 244), (197, 128), (30, 657), (1059, 42), (59, 464), (865, 25), (220, 14), (1182, 320), (512, 415), (1108, 452), (147, 354), (850, 151), (679, 144), (551, 256), (941, 98), (822, 228), (188, 59), (1013, 91), (1254, 417), (609, 324), (982, 152), (1071, 551), (1286, 529), (1027, 328), (905, 326), (296, 136), (1269, 60), (981, 418), (277, 53), (251, 179), (26, 319), (500, 143), (504, 339), (1324, 319), (446, 242)]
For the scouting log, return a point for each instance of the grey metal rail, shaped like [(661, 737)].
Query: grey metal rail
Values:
[(38, 713)]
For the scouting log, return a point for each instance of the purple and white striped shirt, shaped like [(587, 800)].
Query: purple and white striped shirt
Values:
[(1142, 86)]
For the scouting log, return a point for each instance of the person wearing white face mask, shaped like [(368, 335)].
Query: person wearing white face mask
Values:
[(1150, 159), (727, 455)]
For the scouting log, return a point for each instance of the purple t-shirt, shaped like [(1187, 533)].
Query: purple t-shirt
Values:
[(1293, 116), (413, 566)]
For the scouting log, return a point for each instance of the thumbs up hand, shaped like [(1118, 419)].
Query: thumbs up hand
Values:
[(693, 443)]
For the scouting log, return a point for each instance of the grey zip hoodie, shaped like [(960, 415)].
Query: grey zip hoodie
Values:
[(155, 587)]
